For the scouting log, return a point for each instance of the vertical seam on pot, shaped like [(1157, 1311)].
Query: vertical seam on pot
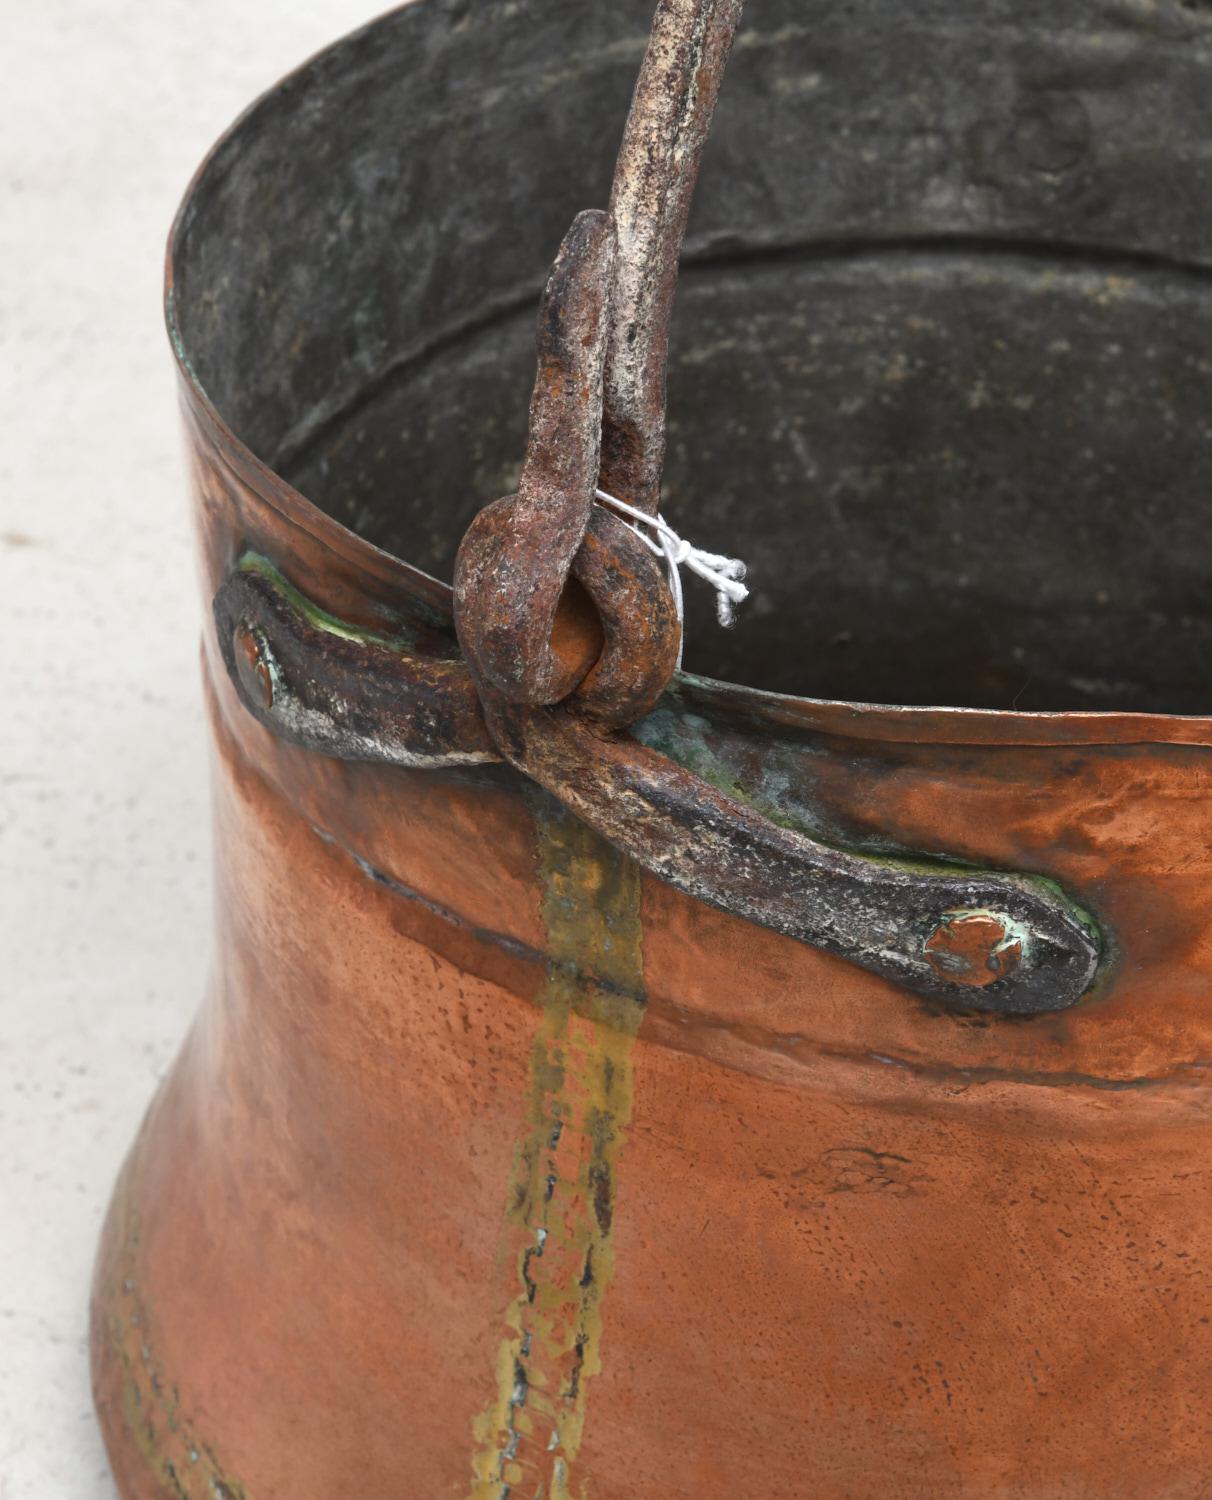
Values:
[(557, 1245)]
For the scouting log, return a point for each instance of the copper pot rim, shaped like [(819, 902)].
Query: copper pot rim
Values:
[(929, 724)]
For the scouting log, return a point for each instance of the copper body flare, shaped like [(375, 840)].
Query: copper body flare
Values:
[(496, 1166)]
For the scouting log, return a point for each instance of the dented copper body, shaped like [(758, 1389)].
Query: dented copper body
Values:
[(616, 1082)]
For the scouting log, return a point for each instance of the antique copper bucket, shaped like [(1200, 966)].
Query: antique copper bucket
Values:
[(778, 1096)]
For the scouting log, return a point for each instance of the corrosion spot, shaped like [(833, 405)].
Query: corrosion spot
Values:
[(975, 948)]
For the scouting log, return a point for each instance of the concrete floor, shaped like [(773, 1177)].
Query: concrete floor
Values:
[(104, 886)]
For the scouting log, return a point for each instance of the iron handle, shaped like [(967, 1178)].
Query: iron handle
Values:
[(972, 939)]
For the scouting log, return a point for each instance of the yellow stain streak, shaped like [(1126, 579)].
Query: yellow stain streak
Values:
[(559, 1217)]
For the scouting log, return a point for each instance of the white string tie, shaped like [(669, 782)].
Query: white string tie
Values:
[(724, 574)]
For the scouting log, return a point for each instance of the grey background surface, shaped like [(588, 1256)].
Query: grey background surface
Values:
[(104, 883)]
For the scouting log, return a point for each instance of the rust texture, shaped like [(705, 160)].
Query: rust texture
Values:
[(597, 415), (515, 561), (523, 630)]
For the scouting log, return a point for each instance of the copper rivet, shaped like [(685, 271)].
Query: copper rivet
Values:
[(974, 948), (253, 667)]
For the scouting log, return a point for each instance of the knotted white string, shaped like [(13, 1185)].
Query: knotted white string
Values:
[(724, 574)]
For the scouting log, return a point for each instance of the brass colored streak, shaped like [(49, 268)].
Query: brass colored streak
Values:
[(558, 1243)]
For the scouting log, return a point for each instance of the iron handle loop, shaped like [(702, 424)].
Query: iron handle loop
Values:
[(597, 416)]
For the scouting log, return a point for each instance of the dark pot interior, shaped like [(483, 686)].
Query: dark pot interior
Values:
[(942, 365)]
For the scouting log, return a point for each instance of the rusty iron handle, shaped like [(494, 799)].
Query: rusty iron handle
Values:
[(654, 181), (972, 939), (597, 416), (526, 635)]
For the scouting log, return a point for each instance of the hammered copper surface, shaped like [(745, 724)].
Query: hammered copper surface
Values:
[(798, 1233)]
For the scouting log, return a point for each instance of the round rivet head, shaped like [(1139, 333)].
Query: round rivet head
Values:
[(252, 665), (974, 948)]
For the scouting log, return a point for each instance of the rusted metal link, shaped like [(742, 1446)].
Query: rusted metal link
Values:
[(528, 637), (598, 415), (514, 563), (976, 940)]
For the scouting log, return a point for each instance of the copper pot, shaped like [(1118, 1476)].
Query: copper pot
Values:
[(694, 1091)]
